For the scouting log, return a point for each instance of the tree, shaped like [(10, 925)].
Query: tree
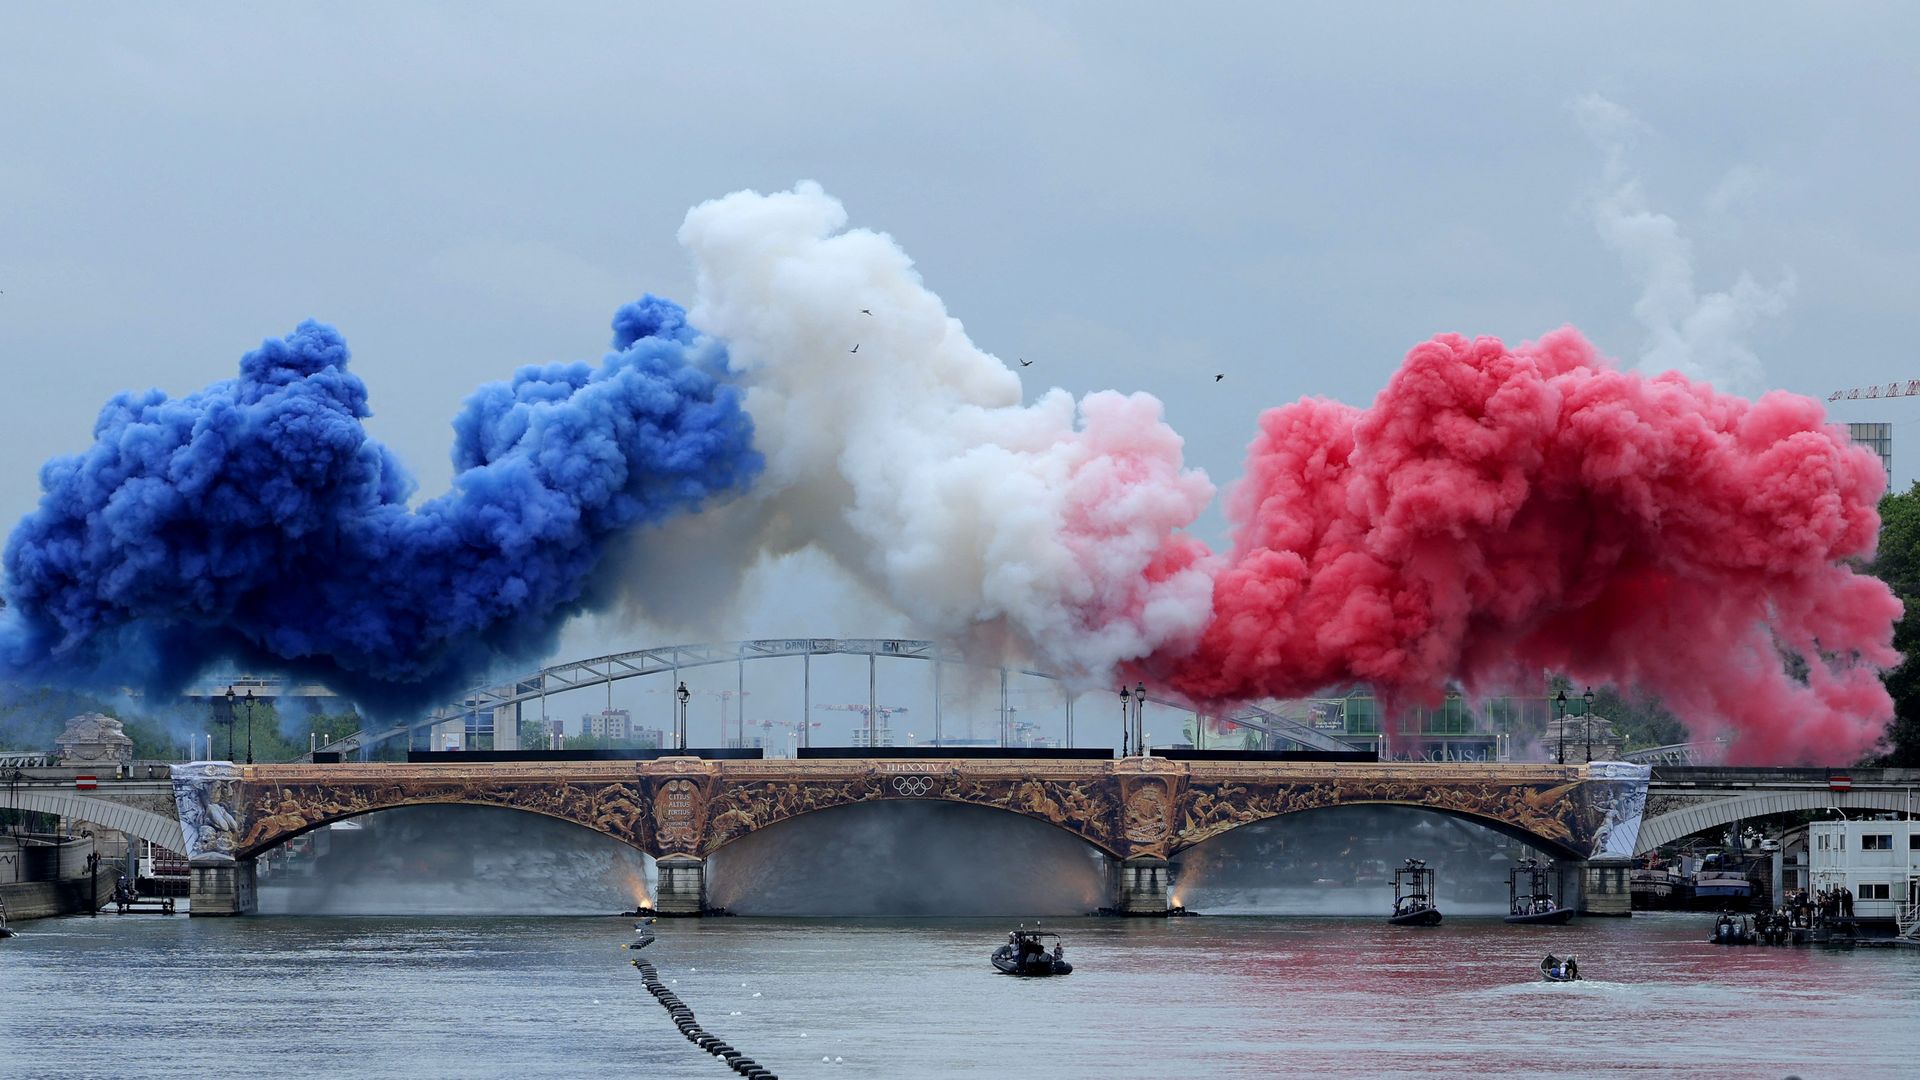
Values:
[(1898, 564), (1638, 720)]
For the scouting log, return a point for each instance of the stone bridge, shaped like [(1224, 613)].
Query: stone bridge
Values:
[(1139, 811)]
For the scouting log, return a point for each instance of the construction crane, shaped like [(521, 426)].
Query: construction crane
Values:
[(726, 704), (1908, 388), (878, 722)]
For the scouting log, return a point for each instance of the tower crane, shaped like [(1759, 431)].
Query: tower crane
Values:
[(879, 721), (1897, 388)]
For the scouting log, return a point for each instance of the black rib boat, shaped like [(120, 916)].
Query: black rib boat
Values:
[(1027, 955), (1554, 969), (1532, 901), (1413, 896)]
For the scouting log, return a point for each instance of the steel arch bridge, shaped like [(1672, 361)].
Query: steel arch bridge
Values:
[(500, 699)]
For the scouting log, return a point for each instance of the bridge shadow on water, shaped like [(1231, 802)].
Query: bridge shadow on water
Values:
[(453, 860), (1340, 860)]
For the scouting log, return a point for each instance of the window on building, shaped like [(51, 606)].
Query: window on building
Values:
[(1913, 841), (1876, 842), (1879, 891)]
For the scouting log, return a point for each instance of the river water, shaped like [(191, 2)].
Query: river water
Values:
[(442, 996)]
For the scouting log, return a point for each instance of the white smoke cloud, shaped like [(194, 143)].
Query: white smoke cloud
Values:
[(1048, 531), (1702, 337)]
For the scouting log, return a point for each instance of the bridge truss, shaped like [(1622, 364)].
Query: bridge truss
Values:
[(500, 698)]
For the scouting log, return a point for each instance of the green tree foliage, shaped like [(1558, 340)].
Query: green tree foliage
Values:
[(1638, 720), (1898, 564)]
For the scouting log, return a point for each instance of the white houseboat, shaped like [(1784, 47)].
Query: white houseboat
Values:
[(1878, 860)]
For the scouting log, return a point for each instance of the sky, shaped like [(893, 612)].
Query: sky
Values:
[(1131, 197)]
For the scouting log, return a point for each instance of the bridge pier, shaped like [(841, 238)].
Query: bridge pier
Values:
[(682, 885), (222, 888), (1141, 887), (1599, 886)]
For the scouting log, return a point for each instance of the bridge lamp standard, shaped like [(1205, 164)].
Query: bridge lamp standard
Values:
[(249, 700), (1140, 717), (680, 729), (1588, 717), (232, 715), (1126, 717), (1560, 714)]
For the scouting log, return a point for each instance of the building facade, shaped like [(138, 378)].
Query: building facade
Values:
[(1879, 861), (612, 724), (1879, 439)]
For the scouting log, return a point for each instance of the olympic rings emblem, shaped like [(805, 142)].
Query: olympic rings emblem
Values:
[(913, 785)]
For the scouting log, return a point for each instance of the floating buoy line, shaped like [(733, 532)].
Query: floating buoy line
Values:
[(683, 1017)]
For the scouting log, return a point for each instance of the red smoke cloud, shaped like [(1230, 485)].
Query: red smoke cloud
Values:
[(1501, 513)]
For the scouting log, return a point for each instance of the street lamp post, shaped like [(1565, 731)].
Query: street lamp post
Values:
[(1139, 717), (1588, 698), (680, 728), (249, 701), (231, 716), (1126, 718), (1560, 714)]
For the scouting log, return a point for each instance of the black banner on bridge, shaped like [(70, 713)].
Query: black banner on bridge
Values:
[(447, 757), (1051, 753), (1187, 753)]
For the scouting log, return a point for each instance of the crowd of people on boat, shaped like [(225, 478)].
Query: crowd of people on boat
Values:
[(1027, 946), (1534, 905), (1824, 907)]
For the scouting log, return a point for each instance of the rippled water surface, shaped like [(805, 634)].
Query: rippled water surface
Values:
[(1226, 997)]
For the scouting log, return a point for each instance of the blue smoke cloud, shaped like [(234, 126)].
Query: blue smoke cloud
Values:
[(255, 522)]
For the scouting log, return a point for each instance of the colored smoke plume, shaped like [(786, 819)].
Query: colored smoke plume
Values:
[(1500, 513), (256, 522), (1048, 530)]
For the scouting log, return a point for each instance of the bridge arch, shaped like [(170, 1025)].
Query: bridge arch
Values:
[(1684, 821), (277, 813), (155, 828), (910, 857), (1558, 848)]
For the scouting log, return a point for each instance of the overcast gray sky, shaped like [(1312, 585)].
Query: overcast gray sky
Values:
[(1135, 196)]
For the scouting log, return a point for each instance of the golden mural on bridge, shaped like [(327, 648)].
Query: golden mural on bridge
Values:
[(1135, 807)]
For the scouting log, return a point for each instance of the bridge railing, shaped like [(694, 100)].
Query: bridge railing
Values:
[(1909, 920), (66, 774), (1770, 776), (600, 670)]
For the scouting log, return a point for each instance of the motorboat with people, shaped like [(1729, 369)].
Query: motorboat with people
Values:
[(1774, 927), (1731, 929), (1413, 903), (1554, 969), (1032, 953), (1530, 898)]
